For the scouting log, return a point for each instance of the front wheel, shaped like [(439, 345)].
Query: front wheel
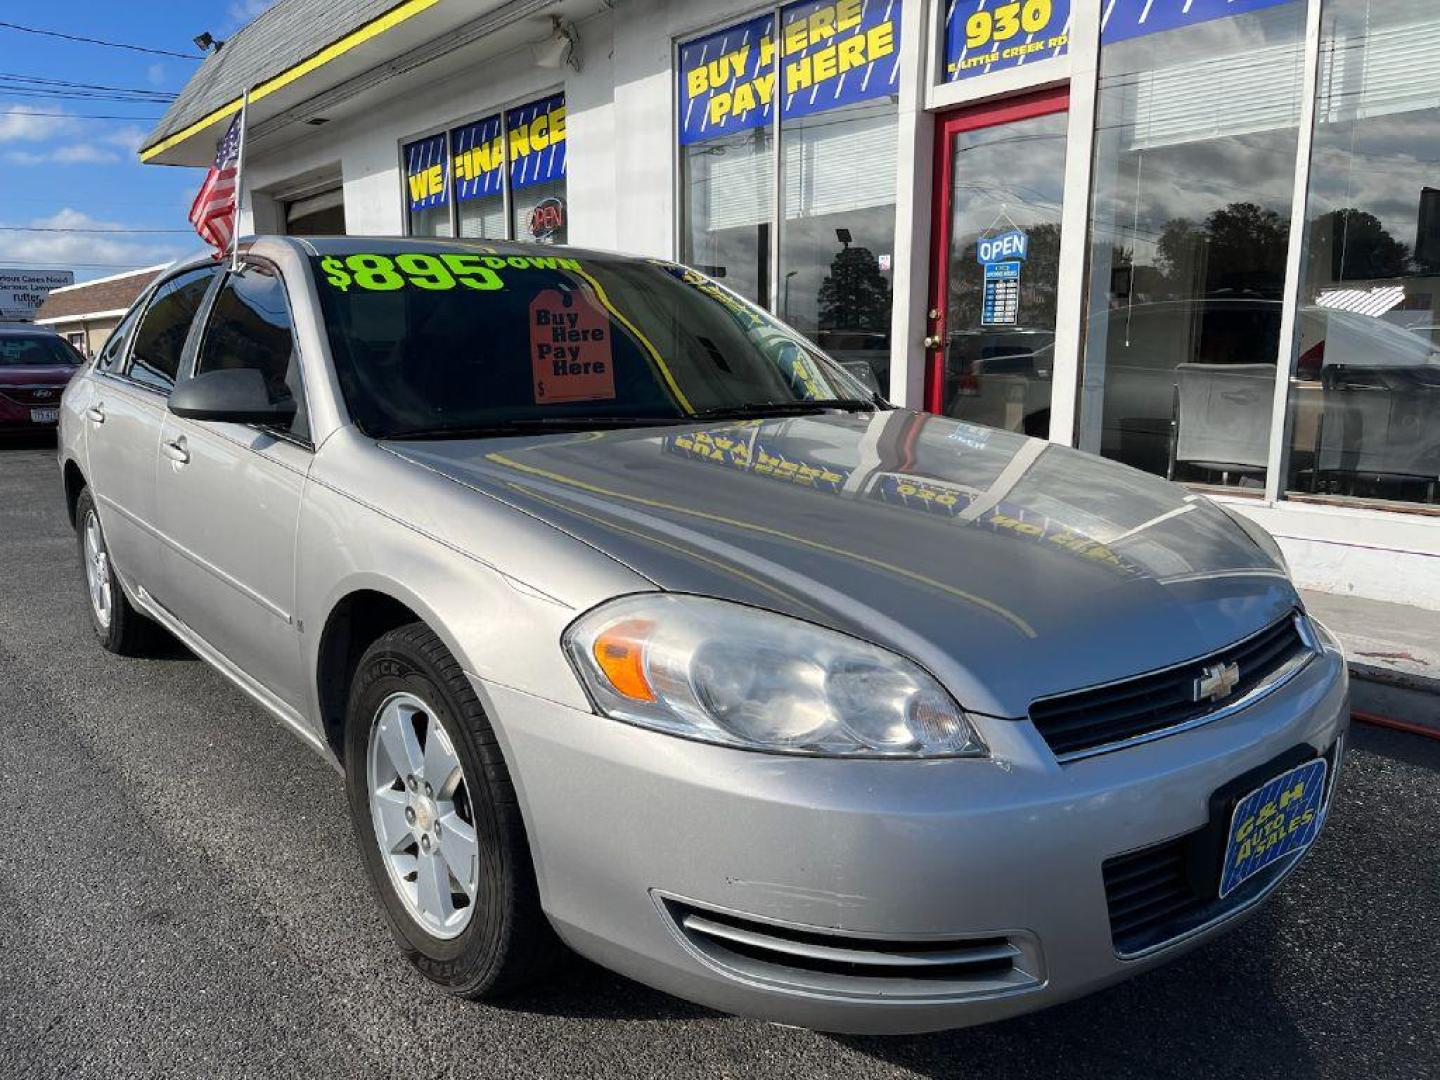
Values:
[(438, 823), (118, 626)]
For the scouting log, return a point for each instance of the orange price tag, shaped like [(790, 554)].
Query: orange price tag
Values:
[(570, 349)]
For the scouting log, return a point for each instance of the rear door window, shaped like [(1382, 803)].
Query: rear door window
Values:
[(160, 336)]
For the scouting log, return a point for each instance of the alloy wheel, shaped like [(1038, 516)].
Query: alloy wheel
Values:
[(97, 570), (424, 824)]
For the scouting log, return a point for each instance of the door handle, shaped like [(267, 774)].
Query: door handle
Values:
[(176, 450), (96, 413)]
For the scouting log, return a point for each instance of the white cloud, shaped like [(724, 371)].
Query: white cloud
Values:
[(69, 154), (155, 73), (244, 11), (90, 253), (23, 123), (128, 138)]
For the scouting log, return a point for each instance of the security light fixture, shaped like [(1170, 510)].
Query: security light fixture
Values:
[(560, 48), (205, 42)]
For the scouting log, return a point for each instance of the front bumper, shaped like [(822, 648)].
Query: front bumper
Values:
[(16, 415), (631, 829)]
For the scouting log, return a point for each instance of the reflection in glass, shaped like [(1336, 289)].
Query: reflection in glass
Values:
[(1365, 382), (838, 235), (998, 360), (1196, 132), (726, 191)]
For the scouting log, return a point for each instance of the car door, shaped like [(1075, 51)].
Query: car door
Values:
[(228, 495), (124, 416)]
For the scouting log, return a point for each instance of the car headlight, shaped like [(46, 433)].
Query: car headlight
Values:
[(735, 675), (1263, 540)]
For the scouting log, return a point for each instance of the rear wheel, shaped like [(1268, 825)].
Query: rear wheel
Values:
[(120, 628), (438, 822)]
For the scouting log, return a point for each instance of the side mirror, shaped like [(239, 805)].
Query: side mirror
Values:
[(229, 395)]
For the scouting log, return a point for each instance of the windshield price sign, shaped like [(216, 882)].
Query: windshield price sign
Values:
[(983, 36), (436, 273)]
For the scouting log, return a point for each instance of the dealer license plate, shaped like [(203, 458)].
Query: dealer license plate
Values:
[(1273, 821), (44, 416)]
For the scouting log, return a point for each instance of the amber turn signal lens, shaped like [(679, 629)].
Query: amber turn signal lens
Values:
[(620, 653)]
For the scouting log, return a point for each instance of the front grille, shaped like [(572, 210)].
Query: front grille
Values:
[(820, 960), (44, 397), (1161, 892), (1149, 892), (1083, 721)]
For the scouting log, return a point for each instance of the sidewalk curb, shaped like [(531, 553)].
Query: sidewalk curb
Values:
[(1384, 692)]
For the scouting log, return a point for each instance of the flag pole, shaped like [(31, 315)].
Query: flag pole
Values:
[(239, 179)]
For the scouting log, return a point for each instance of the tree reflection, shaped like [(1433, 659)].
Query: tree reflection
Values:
[(855, 294)]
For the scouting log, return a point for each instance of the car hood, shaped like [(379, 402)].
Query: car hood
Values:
[(1011, 566), (36, 374)]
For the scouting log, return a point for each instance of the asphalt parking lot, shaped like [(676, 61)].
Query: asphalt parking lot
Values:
[(180, 896)]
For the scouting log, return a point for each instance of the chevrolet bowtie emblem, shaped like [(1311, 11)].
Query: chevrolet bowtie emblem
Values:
[(1216, 681)]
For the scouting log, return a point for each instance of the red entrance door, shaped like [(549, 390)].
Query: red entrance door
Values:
[(999, 184)]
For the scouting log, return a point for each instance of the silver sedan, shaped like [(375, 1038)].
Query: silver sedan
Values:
[(637, 625)]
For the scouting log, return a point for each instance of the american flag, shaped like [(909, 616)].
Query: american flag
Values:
[(213, 212)]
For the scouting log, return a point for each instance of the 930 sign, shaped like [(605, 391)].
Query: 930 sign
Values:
[(982, 36), (1004, 22)]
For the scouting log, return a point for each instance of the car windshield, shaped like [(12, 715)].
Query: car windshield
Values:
[(438, 341), (36, 350)]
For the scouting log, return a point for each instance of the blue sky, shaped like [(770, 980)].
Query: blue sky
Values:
[(65, 172)]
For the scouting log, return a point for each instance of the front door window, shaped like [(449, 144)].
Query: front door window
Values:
[(992, 329)]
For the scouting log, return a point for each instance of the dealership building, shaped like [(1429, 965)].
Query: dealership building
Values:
[(1201, 237)]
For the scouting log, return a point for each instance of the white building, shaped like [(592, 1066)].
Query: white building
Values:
[(1109, 222)]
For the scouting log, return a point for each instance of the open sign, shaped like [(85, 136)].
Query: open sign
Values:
[(548, 218), (1007, 245)]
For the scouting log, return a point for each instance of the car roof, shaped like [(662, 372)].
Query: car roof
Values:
[(395, 245), (279, 247), (26, 330)]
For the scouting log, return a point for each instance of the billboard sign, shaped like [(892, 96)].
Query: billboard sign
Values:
[(23, 291)]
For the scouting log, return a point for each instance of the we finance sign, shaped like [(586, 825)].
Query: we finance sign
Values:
[(827, 55)]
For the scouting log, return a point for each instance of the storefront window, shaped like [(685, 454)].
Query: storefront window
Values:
[(727, 83), (537, 170), (1365, 380), (533, 140), (1196, 135), (837, 73), (427, 183), (479, 152), (836, 244)]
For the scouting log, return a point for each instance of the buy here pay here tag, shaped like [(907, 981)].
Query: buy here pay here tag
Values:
[(570, 349)]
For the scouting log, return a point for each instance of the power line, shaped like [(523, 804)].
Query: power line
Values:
[(19, 111), (79, 95), (42, 81), (58, 229), (98, 41)]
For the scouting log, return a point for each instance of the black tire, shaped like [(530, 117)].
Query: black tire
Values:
[(128, 633), (508, 943)]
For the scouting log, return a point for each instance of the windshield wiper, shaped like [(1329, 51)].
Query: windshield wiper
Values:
[(523, 425), (756, 410)]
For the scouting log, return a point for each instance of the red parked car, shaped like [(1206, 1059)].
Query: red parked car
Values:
[(35, 366)]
